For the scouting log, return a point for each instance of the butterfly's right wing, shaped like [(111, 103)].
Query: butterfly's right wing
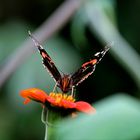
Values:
[(47, 61), (84, 72), (88, 68)]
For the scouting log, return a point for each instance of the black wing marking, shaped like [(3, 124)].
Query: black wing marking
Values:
[(88, 68), (47, 61)]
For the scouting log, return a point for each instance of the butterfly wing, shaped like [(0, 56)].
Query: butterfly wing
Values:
[(84, 72), (47, 61), (88, 68)]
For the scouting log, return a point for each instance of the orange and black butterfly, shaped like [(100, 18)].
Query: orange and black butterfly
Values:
[(64, 81)]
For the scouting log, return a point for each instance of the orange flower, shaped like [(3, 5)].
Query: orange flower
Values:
[(56, 100)]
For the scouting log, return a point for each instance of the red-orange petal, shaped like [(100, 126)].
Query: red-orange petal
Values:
[(85, 107), (27, 101), (64, 103), (68, 104), (34, 94)]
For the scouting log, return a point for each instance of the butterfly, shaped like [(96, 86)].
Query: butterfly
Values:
[(67, 82)]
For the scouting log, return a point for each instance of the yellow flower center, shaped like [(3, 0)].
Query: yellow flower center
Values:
[(59, 97)]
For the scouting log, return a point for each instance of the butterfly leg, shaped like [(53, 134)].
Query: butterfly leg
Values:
[(72, 91), (54, 87)]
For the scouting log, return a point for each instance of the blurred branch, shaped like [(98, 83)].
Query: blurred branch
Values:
[(45, 31), (107, 32)]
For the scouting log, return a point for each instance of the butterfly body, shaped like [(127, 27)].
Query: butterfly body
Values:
[(64, 81)]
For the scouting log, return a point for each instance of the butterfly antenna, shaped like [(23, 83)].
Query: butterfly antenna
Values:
[(37, 44)]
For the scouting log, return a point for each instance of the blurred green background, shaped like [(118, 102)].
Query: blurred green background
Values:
[(115, 83)]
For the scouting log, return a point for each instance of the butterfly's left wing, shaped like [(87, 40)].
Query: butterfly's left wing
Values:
[(88, 68), (47, 61)]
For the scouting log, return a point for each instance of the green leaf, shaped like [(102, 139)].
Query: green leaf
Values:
[(117, 117)]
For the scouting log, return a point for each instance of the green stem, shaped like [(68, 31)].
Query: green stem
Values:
[(49, 118), (44, 118), (46, 132)]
